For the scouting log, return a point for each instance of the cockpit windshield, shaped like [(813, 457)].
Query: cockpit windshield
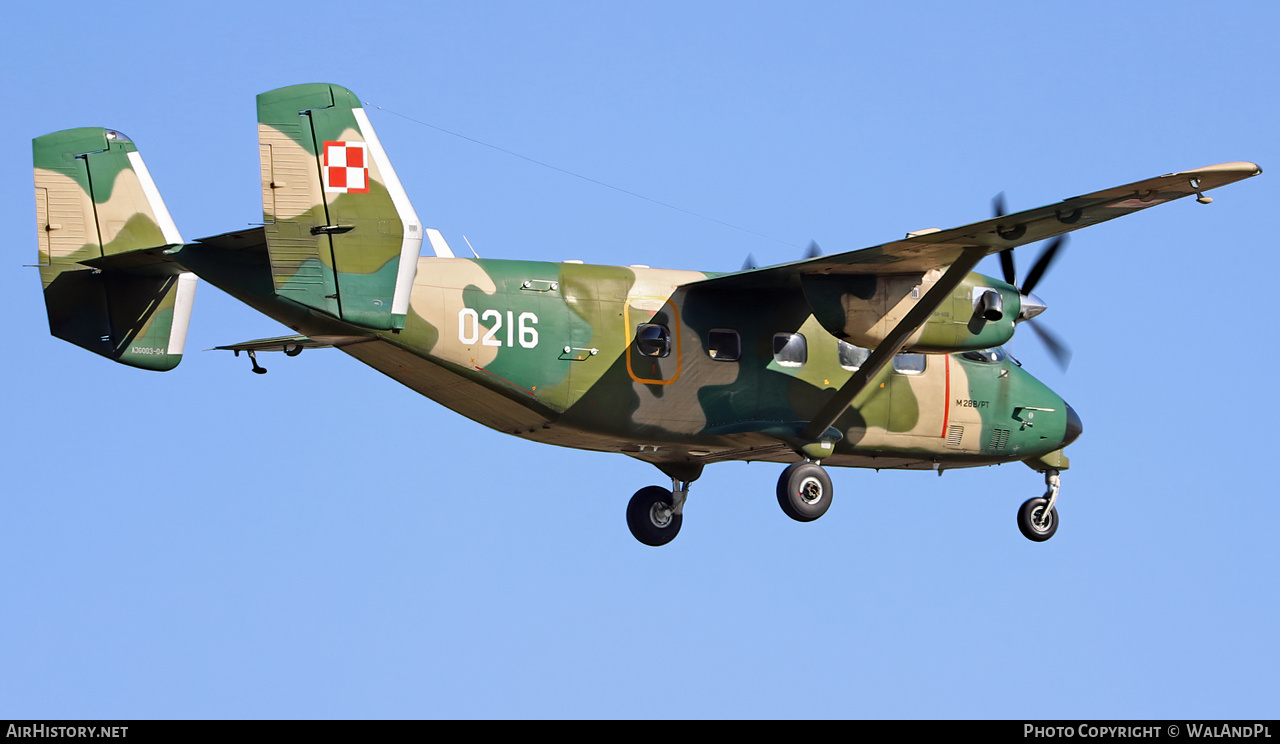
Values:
[(987, 356)]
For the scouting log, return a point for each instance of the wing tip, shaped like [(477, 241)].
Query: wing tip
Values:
[(1243, 168)]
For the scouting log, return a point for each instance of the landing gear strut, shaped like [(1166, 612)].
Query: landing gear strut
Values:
[(1038, 517), (804, 491), (654, 514), (257, 370)]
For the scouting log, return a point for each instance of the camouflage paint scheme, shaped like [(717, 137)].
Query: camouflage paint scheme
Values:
[(548, 351), (108, 211), (690, 408)]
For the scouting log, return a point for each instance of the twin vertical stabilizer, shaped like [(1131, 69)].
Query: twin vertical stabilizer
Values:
[(341, 233), (99, 219)]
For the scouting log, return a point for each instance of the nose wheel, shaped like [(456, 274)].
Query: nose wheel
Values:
[(1038, 517)]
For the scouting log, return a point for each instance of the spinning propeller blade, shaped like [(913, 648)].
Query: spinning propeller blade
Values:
[(1060, 352), (1006, 266), (813, 251), (1006, 257), (1042, 264)]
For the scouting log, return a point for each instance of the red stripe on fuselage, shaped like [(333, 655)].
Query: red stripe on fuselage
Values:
[(946, 399)]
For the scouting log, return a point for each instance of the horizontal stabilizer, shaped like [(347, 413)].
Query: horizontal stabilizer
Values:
[(293, 345)]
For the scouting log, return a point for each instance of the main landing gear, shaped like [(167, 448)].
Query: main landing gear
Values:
[(654, 514), (1038, 518), (804, 491)]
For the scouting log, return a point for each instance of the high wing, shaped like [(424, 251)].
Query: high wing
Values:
[(920, 252), (958, 251)]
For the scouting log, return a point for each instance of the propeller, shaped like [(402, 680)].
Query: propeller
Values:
[(1032, 305), (813, 251), (1060, 352), (1041, 265)]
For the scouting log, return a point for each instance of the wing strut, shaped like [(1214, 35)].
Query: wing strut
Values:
[(893, 343)]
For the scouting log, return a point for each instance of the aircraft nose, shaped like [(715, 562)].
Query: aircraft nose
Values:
[(1074, 427)]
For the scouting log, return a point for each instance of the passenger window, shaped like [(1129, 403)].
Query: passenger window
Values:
[(852, 357), (724, 345), (653, 340), (909, 364), (790, 349)]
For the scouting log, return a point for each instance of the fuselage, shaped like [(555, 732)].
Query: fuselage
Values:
[(639, 360)]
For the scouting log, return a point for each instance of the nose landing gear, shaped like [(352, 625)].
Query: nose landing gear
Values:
[(1038, 517)]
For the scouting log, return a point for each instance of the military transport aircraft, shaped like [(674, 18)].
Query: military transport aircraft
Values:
[(886, 357)]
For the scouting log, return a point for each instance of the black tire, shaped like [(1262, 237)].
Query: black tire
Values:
[(1028, 515), (645, 524), (804, 491)]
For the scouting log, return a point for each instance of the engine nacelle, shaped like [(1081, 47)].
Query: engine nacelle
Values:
[(864, 309)]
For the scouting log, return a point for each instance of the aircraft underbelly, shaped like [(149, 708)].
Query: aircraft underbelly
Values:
[(471, 398), (448, 388)]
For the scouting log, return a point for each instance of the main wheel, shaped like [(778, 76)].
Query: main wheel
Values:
[(1032, 521), (804, 491), (649, 516)]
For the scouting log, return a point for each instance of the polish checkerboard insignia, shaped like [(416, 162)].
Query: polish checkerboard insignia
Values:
[(346, 168)]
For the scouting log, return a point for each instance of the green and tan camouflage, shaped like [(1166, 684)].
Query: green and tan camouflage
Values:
[(886, 357), (97, 210), (340, 232)]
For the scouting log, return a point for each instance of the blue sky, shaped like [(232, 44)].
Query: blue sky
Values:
[(320, 542)]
